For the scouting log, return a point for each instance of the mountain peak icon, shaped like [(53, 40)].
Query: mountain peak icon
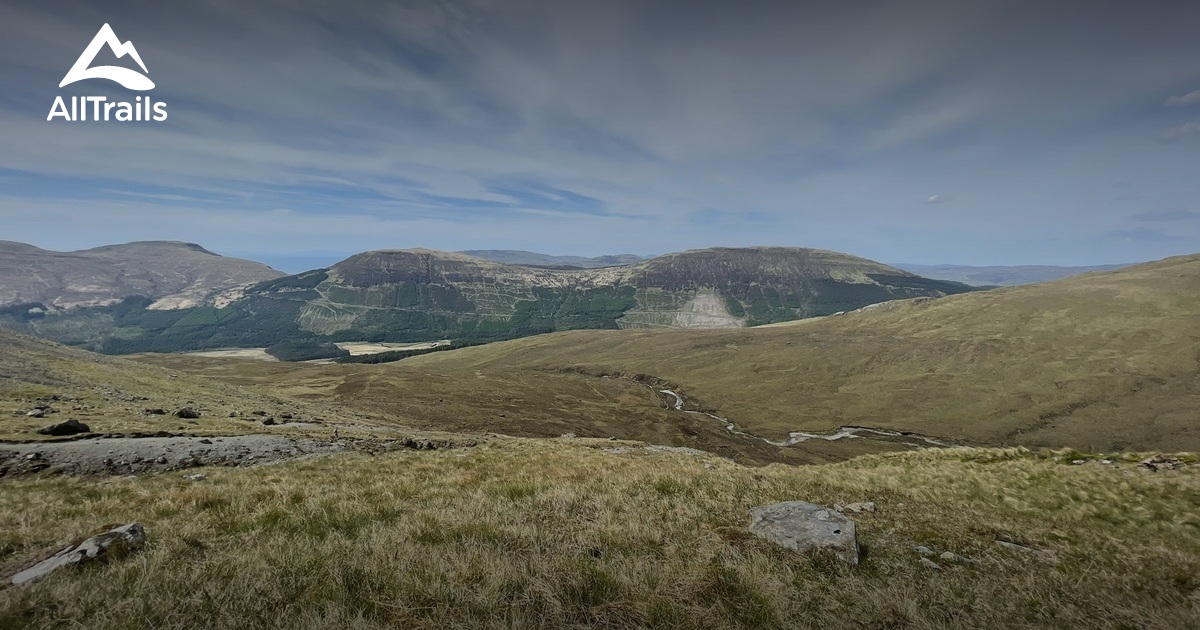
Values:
[(129, 79)]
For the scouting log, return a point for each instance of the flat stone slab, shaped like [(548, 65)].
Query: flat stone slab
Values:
[(803, 526)]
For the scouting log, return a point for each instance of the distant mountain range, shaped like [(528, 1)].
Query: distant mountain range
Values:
[(1002, 275), (521, 257), (996, 275), (170, 273), (421, 295)]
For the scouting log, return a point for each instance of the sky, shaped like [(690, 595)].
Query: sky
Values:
[(300, 132)]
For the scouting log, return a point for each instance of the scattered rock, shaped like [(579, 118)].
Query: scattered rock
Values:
[(234, 414), (36, 413), (1161, 462), (1077, 462), (158, 412), (187, 413), (160, 460), (802, 526), (567, 436), (930, 564), (205, 441), (70, 427), (1044, 554), (950, 556), (857, 508), (112, 543), (258, 413), (924, 551), (195, 477), (285, 416), (268, 421)]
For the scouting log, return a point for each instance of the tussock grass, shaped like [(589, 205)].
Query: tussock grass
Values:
[(554, 533)]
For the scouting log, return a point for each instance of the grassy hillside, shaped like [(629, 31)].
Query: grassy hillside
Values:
[(1102, 361), (518, 402), (112, 395), (562, 533)]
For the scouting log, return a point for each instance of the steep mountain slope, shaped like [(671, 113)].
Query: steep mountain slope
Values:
[(1007, 276), (521, 257), (173, 274), (422, 295), (1103, 361)]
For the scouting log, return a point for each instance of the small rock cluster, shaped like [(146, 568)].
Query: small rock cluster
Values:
[(40, 411), (946, 557), (1161, 462)]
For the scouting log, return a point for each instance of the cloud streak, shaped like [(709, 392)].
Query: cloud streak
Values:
[(589, 128), (1191, 98)]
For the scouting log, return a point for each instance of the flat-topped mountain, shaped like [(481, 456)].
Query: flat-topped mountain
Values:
[(173, 274), (461, 296), (522, 257), (422, 295)]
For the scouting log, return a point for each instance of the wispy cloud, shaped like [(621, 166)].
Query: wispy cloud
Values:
[(1191, 98), (1167, 216), (1181, 131)]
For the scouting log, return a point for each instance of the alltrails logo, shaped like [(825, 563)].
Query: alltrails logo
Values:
[(99, 107)]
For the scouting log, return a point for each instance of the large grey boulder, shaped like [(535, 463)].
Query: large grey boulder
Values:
[(116, 541), (803, 526)]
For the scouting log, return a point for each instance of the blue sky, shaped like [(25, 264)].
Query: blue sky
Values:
[(925, 132)]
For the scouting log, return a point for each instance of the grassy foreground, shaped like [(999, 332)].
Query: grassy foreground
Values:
[(553, 533)]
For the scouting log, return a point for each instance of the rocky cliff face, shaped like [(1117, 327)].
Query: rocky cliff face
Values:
[(172, 274)]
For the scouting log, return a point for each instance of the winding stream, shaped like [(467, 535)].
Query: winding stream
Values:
[(796, 437)]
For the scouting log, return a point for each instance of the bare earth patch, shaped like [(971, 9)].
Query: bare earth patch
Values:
[(357, 348), (259, 354)]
